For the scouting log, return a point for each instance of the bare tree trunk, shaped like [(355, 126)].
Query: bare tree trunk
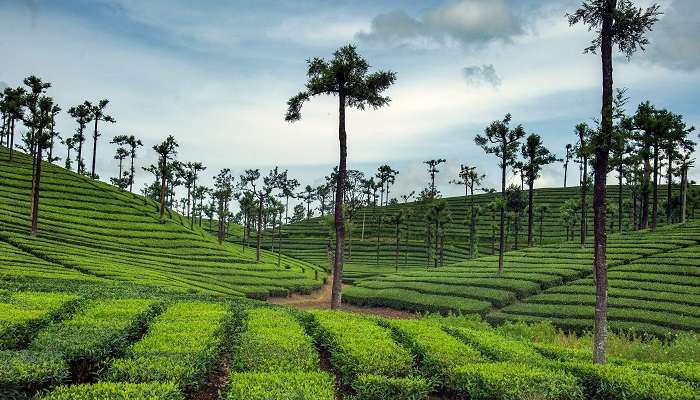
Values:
[(502, 239), (655, 187), (94, 150), (131, 176), (584, 190), (336, 293), (259, 228), (669, 189), (619, 197), (163, 188), (566, 167), (36, 182), (645, 191), (684, 193), (530, 220), (600, 328), (12, 138)]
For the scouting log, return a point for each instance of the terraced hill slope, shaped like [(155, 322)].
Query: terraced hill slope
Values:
[(654, 284), (89, 230)]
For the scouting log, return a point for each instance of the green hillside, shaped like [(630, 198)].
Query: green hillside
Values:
[(654, 284), (89, 230), (371, 251)]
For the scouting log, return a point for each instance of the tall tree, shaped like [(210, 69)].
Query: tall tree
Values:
[(222, 193), (97, 112), (53, 134), (287, 187), (345, 76), (620, 148), (40, 120), (567, 158), (615, 22), (167, 151), (583, 151), (686, 161), (674, 139), (471, 179), (503, 141), (195, 168), (535, 157), (83, 116), (432, 171), (70, 145), (36, 88), (122, 180), (13, 104)]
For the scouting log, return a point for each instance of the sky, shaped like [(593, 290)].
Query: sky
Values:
[(217, 74)]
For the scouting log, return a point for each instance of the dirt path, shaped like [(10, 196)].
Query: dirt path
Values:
[(321, 299)]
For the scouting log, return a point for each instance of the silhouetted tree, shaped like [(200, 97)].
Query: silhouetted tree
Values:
[(535, 157), (567, 158), (470, 178), (503, 141), (13, 107), (345, 76), (70, 145), (83, 116), (97, 115), (41, 118), (167, 150), (432, 171), (615, 22), (583, 151)]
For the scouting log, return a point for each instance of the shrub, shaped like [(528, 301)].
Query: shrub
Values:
[(438, 352), (375, 387), (497, 347), (359, 346), (281, 385), (27, 371), (116, 391), (182, 345), (603, 382), (274, 341), (510, 381)]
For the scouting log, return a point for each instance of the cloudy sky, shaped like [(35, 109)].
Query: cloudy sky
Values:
[(216, 74)]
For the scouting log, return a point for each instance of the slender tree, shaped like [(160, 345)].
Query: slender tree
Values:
[(541, 210), (503, 141), (53, 134), (567, 158), (471, 179), (70, 145), (97, 114), (345, 76), (222, 194), (583, 151), (432, 171), (615, 22), (14, 107), (83, 116), (535, 157), (40, 121), (167, 151)]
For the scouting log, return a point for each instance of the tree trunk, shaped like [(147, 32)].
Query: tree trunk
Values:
[(600, 338), (163, 189), (566, 167), (35, 193), (502, 238), (584, 190), (684, 193), (619, 197), (397, 247), (336, 293), (12, 138), (530, 220), (645, 191), (131, 176), (655, 187), (472, 226), (435, 254), (259, 227), (94, 149), (669, 180)]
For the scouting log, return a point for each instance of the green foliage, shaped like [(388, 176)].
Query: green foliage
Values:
[(274, 341), (438, 353), (496, 347), (25, 371), (181, 345), (117, 391), (296, 385), (359, 346), (602, 382), (376, 387), (515, 381)]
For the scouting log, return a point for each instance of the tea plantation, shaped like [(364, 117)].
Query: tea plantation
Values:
[(92, 231), (654, 284), (92, 346)]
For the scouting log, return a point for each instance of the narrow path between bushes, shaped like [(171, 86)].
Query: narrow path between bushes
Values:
[(321, 299), (216, 382)]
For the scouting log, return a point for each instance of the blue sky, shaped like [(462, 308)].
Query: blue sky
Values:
[(217, 74)]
